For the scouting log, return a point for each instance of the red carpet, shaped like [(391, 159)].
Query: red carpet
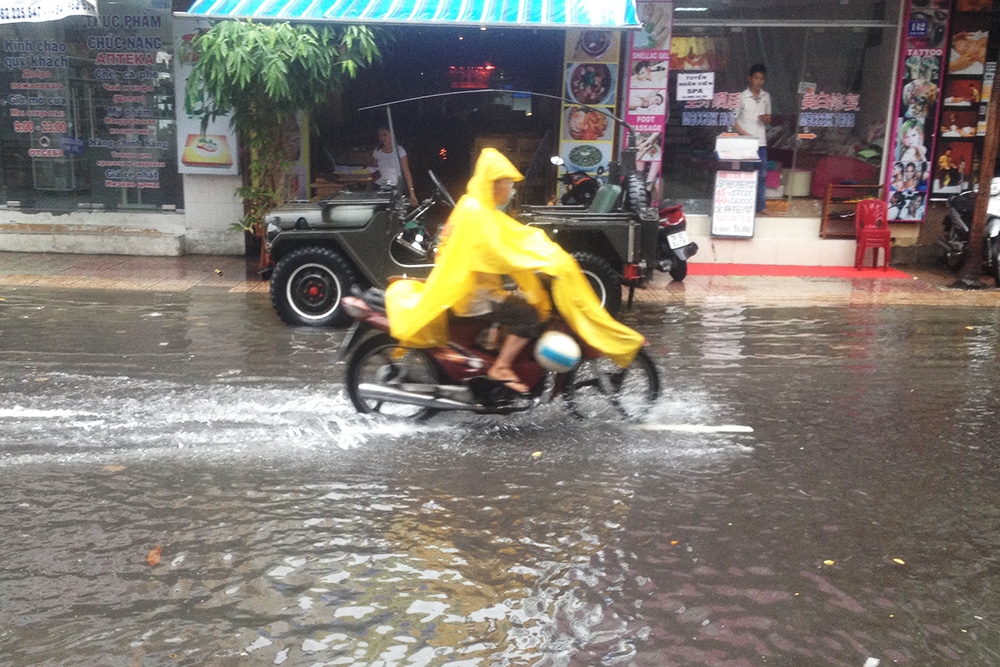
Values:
[(793, 271)]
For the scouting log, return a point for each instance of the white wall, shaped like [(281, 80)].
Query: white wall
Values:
[(210, 209)]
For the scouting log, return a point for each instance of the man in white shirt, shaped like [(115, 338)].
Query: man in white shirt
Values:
[(388, 166), (752, 118)]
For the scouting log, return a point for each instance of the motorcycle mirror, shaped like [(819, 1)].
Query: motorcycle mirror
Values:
[(557, 160), (995, 187)]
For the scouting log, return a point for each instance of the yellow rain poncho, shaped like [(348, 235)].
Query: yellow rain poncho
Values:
[(482, 244)]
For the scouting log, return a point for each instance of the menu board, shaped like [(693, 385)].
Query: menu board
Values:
[(88, 117), (647, 96), (734, 204)]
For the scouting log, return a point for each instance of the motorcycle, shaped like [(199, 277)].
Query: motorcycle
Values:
[(388, 378), (673, 247), (580, 188), (958, 225)]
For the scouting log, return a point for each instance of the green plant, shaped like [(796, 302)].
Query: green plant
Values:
[(264, 74)]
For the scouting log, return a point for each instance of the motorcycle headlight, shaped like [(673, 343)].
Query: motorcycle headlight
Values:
[(995, 187)]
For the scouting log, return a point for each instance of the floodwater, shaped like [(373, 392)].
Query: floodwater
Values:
[(184, 482)]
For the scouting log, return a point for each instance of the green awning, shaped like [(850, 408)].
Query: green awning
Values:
[(500, 13)]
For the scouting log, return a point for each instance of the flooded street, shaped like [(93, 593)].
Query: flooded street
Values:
[(183, 481)]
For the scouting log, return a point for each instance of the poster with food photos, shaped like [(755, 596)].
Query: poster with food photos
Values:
[(917, 106), (590, 82)]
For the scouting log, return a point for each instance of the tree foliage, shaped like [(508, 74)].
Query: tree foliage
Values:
[(264, 74)]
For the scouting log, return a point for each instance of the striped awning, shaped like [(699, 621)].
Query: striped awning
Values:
[(501, 13)]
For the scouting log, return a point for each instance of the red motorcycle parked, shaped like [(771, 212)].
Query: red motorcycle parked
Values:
[(388, 378), (673, 247)]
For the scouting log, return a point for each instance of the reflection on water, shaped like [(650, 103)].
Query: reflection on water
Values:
[(846, 516)]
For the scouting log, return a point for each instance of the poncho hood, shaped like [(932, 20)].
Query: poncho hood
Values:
[(480, 245)]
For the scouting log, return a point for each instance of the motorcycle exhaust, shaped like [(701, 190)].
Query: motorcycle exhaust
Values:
[(376, 392)]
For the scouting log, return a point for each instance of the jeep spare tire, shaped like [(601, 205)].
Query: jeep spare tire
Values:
[(603, 278), (308, 284), (636, 194)]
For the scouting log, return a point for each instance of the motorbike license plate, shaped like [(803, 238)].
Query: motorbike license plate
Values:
[(677, 240)]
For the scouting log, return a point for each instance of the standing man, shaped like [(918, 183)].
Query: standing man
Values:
[(752, 118)]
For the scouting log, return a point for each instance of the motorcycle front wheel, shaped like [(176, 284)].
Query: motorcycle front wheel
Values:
[(600, 389), (380, 361), (679, 270)]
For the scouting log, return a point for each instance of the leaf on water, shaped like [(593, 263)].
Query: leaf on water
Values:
[(674, 542), (828, 562), (971, 328), (536, 455), (41, 379), (899, 560), (113, 468), (153, 558)]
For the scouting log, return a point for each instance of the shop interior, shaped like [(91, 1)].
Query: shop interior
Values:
[(829, 99), (446, 134)]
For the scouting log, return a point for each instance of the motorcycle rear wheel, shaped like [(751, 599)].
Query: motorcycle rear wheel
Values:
[(600, 389), (381, 360)]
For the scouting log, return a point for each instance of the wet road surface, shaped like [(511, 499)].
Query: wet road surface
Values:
[(816, 486)]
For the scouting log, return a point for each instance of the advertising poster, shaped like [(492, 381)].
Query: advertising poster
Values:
[(647, 97), (215, 150), (918, 97), (590, 78)]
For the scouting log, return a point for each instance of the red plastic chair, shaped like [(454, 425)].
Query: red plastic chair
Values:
[(871, 227)]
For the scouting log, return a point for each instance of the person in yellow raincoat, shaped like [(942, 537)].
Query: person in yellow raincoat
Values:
[(480, 244)]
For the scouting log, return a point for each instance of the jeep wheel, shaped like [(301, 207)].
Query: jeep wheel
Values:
[(603, 278), (308, 284)]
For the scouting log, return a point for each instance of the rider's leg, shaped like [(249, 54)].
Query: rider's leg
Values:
[(522, 324), (502, 368)]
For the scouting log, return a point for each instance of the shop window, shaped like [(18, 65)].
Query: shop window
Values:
[(829, 95), (88, 119)]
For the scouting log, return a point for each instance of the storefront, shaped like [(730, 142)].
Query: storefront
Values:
[(860, 90)]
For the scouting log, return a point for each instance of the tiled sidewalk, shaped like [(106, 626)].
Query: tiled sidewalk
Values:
[(239, 274)]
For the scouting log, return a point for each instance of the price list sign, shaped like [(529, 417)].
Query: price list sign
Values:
[(734, 205)]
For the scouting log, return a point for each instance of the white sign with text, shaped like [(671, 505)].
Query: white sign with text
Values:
[(695, 85), (31, 11)]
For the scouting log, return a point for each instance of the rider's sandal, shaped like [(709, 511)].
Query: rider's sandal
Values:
[(515, 386)]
